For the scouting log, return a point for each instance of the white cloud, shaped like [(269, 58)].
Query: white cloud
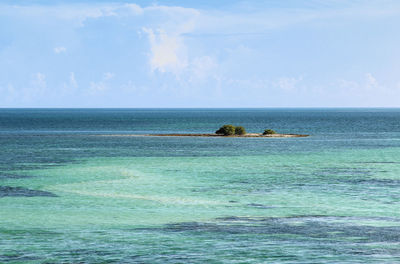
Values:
[(108, 76), (365, 86), (168, 50), (371, 82), (97, 87), (168, 53), (72, 80), (368, 91), (39, 81), (288, 84), (59, 50), (70, 86), (102, 85), (36, 88), (131, 87), (128, 87)]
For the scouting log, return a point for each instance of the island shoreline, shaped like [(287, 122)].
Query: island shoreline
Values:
[(248, 135)]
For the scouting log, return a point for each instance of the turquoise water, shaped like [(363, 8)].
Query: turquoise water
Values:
[(69, 194)]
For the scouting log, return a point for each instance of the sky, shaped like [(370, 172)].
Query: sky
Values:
[(203, 53)]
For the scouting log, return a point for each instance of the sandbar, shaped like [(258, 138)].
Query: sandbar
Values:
[(248, 135)]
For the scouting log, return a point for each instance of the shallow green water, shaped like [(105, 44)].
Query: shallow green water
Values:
[(76, 197)]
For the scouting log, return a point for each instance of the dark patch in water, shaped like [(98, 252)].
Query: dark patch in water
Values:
[(233, 218), (369, 181), (27, 233), (355, 176), (244, 182), (309, 227), (12, 176), (17, 257), (22, 192), (334, 171), (204, 189), (261, 206), (85, 251), (262, 219)]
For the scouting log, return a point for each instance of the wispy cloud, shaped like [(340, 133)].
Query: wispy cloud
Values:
[(134, 8)]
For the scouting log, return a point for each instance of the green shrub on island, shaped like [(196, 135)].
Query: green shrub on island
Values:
[(269, 132), (226, 130), (239, 130)]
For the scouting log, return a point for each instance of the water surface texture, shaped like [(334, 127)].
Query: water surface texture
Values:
[(69, 194)]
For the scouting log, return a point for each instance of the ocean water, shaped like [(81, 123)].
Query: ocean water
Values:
[(73, 192)]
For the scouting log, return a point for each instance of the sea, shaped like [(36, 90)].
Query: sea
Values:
[(81, 186)]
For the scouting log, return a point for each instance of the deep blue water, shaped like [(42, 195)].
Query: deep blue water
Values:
[(58, 135)]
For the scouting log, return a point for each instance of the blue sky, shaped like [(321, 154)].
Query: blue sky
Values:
[(201, 53)]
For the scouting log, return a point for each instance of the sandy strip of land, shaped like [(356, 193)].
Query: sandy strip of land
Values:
[(206, 135)]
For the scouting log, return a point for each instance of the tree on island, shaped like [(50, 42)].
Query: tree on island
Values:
[(269, 132), (230, 130), (226, 130), (239, 130)]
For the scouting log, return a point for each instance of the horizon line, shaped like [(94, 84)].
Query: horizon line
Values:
[(268, 107)]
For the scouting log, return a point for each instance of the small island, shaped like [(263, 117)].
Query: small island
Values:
[(224, 131), (232, 131)]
